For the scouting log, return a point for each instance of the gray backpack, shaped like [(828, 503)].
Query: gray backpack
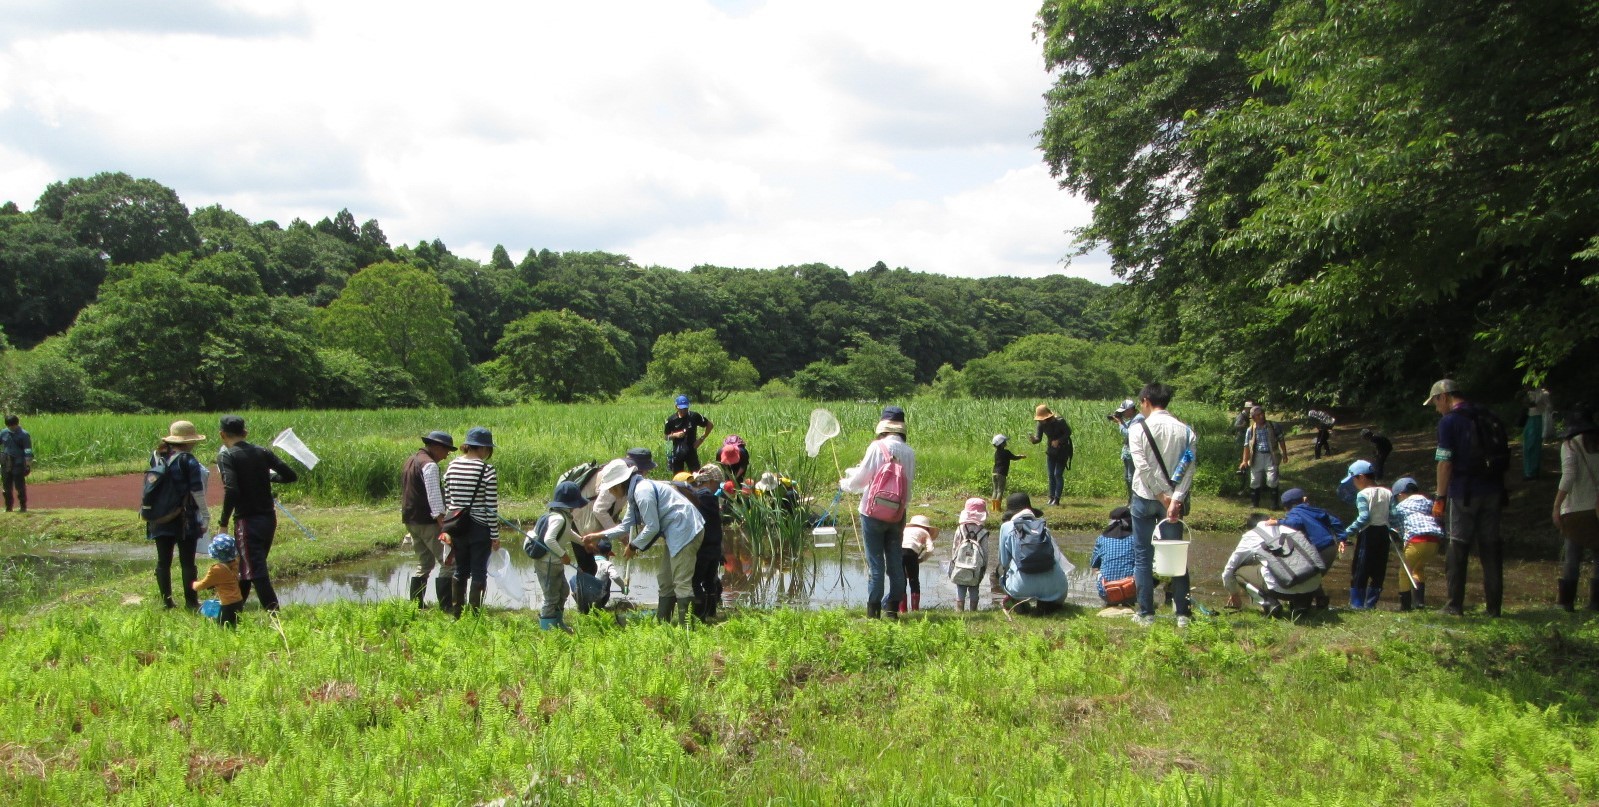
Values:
[(1290, 557), (966, 566)]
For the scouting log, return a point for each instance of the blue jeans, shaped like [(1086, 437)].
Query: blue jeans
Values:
[(1057, 476), (1146, 514), (883, 557)]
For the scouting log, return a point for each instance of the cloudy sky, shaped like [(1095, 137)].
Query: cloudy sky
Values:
[(750, 133)]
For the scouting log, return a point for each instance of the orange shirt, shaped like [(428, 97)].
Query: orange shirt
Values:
[(225, 578)]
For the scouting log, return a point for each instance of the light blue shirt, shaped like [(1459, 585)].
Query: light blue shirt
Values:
[(1047, 586), (657, 510)]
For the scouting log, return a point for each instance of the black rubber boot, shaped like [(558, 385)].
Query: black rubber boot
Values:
[(457, 596), (874, 610), (443, 589), (267, 594), (474, 596), (711, 601), (1254, 497), (1421, 595), (1276, 499), (419, 588), (1593, 595), (1566, 595), (1406, 601), (665, 607), (164, 584)]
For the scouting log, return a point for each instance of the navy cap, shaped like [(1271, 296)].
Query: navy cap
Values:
[(641, 459), (479, 437), (568, 496), (1293, 496), (893, 413), (437, 437), (231, 424)]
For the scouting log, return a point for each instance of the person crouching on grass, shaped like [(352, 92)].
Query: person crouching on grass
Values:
[(1373, 503), (224, 577), (558, 537), (655, 510)]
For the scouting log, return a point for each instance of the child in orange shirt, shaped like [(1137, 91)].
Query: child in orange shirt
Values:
[(224, 577)]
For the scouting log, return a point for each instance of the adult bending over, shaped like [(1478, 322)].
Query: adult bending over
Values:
[(656, 510)]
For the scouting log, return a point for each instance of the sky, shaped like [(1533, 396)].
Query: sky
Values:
[(743, 133)]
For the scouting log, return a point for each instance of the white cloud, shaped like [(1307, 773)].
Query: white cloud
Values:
[(679, 131)]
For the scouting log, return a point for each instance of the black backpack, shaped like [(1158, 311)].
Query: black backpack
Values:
[(1490, 445), (1035, 547), (166, 496)]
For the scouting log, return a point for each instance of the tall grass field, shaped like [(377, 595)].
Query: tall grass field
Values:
[(362, 451)]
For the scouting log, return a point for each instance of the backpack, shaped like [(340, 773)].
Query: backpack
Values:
[(1290, 557), (579, 474), (533, 544), (966, 566), (1035, 547), (885, 496), (166, 498), (1490, 445)]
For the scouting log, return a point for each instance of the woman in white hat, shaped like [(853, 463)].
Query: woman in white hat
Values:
[(174, 511), (883, 535)]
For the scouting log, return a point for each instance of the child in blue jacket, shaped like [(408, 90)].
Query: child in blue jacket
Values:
[(1320, 526)]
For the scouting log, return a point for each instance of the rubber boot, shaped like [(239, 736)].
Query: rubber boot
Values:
[(1276, 499), (1320, 600), (1593, 595), (165, 586), (474, 595), (1406, 601), (711, 601), (960, 603), (419, 587), (1421, 595), (1357, 599), (1371, 597), (1254, 497), (664, 608), (874, 611), (1270, 607), (916, 602), (1566, 596), (904, 605), (545, 623), (457, 596), (443, 589), (266, 594)]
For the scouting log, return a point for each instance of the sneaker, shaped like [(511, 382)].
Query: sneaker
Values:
[(1182, 622), (1144, 620)]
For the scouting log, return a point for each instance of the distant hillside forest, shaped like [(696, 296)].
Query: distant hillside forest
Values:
[(121, 299)]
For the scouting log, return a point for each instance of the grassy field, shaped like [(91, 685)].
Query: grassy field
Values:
[(363, 450), (382, 704)]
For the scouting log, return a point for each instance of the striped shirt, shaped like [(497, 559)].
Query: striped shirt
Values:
[(461, 479)]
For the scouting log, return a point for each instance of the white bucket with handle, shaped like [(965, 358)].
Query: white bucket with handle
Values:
[(1171, 557)]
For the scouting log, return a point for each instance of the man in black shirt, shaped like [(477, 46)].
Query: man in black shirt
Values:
[(682, 428), (248, 472), (1384, 447)]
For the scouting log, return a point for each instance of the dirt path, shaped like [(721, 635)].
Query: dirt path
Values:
[(103, 492)]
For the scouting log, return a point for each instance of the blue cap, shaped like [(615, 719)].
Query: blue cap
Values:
[(479, 437), (1405, 484), (1293, 496), (568, 496), (222, 548), (682, 402), (1358, 468)]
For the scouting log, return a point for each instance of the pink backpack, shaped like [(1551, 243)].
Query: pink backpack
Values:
[(885, 497)]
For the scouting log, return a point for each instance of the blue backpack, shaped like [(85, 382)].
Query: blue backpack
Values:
[(166, 490), (1035, 547), (533, 544)]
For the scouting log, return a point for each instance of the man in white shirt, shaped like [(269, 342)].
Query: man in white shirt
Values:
[(1245, 571), (1162, 449)]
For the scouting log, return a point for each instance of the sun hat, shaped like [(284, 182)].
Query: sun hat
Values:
[(568, 496), (640, 458), (479, 437), (1445, 386), (893, 413), (1016, 503), (1128, 405), (975, 511), (925, 523), (1358, 468), (1405, 484), (615, 473), (683, 476), (1042, 412), (223, 548), (768, 482), (710, 475), (891, 427), (183, 432), (999, 440), (1292, 497), (729, 455), (682, 402), (439, 438), (1121, 523)]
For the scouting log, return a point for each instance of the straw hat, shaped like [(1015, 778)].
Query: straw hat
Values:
[(891, 427), (183, 432), (925, 523), (1042, 413)]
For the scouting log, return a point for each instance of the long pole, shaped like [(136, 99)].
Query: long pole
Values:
[(296, 521)]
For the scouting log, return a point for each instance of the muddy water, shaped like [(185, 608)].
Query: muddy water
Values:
[(829, 577)]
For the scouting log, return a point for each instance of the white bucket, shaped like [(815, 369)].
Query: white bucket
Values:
[(1171, 558)]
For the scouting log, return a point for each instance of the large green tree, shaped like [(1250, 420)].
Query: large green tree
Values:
[(401, 316), (559, 356), (694, 363), (46, 277), (127, 219)]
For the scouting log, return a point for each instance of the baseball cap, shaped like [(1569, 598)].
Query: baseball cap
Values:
[(1292, 497), (1357, 468), (1440, 387)]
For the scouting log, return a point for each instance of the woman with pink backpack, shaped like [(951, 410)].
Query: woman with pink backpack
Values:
[(883, 477)]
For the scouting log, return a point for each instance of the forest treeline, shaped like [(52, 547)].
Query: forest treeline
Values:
[(119, 298)]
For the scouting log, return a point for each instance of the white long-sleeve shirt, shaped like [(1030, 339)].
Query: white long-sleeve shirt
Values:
[(1172, 437), (1578, 478), (859, 478), (430, 486), (1244, 555)]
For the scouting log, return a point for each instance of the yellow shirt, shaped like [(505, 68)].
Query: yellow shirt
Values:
[(224, 577)]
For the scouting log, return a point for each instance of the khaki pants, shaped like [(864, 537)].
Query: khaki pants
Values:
[(429, 550), (1417, 555), (676, 578)]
